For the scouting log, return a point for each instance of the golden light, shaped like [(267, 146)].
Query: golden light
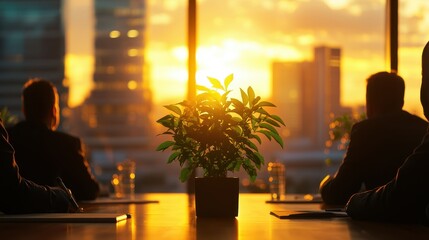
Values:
[(133, 52), (133, 33), (216, 61), (308, 197), (306, 39), (180, 53), (115, 179), (120, 167), (79, 70), (114, 34), (132, 85), (337, 4)]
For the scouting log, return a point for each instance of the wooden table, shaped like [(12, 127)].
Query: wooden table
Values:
[(174, 218)]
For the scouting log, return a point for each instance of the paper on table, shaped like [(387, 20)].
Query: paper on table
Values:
[(299, 198), (316, 214), (108, 200), (66, 217)]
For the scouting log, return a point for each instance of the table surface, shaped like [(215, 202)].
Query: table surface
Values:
[(174, 218)]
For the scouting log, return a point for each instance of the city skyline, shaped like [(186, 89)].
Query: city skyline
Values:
[(245, 38), (311, 99), (32, 45)]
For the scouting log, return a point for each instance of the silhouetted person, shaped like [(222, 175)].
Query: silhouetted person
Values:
[(20, 195), (43, 153), (406, 197), (378, 145)]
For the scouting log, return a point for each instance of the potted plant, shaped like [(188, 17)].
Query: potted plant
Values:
[(218, 133)]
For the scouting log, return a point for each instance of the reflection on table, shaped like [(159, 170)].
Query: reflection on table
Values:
[(174, 218)]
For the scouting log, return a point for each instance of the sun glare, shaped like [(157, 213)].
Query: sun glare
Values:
[(79, 69), (337, 4)]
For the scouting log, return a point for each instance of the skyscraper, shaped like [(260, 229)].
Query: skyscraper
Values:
[(307, 93), (327, 64), (31, 45), (116, 114)]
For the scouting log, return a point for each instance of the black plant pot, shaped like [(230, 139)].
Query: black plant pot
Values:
[(216, 197)]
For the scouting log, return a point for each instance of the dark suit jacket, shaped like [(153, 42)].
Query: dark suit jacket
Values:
[(20, 195), (377, 148), (405, 198), (43, 155)]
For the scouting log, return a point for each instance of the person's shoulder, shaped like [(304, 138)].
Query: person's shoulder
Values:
[(16, 127), (416, 119), (361, 129), (362, 124), (20, 130), (65, 137)]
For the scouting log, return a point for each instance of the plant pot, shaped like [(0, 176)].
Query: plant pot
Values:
[(216, 197)]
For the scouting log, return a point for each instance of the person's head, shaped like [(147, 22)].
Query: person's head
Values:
[(384, 94), (424, 90), (40, 102)]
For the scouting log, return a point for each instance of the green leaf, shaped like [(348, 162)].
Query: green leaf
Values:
[(251, 94), (203, 96), (228, 80), (262, 111), (237, 166), (173, 156), (185, 103), (202, 88), (167, 121), (256, 159), (184, 174), (237, 130), (256, 100), (272, 122), (265, 104), (165, 145), (216, 83), (165, 118), (266, 133), (225, 97), (174, 109), (277, 118), (252, 177), (251, 145), (278, 139), (269, 127), (166, 133), (251, 171), (261, 158), (257, 138), (237, 103), (244, 97)]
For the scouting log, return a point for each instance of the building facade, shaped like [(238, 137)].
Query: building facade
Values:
[(32, 44), (115, 117), (307, 94)]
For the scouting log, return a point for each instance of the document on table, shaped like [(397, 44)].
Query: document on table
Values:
[(299, 198), (109, 200), (316, 214), (65, 217)]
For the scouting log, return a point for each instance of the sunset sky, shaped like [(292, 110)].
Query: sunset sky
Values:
[(244, 36)]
